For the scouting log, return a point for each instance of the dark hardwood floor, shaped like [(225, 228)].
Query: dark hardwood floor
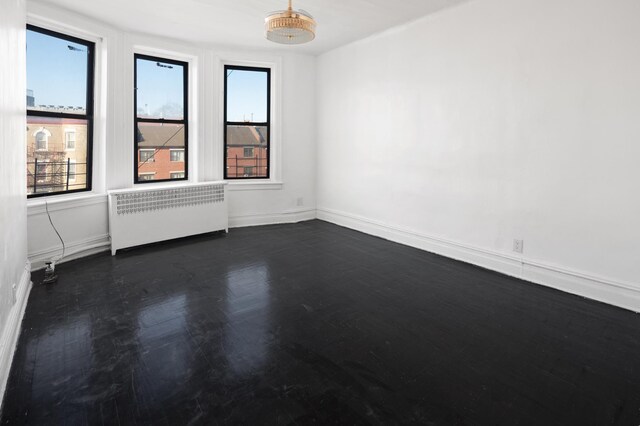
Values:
[(315, 324)]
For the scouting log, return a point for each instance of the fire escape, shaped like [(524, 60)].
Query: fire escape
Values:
[(46, 171)]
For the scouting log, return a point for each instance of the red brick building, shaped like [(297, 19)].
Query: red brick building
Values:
[(247, 151), (56, 153), (161, 153)]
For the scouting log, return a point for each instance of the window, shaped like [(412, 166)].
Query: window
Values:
[(42, 139), (177, 155), (247, 115), (70, 140), (59, 112), (147, 155), (160, 105), (146, 176), (71, 172), (41, 171)]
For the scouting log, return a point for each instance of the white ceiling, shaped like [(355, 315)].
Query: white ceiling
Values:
[(241, 22)]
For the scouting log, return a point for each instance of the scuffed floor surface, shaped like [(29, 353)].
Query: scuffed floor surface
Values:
[(315, 324)]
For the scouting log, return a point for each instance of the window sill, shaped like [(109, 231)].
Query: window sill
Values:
[(267, 185), (37, 206)]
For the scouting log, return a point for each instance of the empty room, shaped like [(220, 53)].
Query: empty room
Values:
[(292, 212)]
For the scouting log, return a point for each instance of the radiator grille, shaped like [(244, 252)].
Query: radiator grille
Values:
[(146, 201)]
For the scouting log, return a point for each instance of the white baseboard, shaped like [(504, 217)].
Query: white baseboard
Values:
[(10, 330), (78, 249), (74, 250), (622, 294), (271, 219)]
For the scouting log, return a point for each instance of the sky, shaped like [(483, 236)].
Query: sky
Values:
[(246, 95), (58, 76), (160, 89)]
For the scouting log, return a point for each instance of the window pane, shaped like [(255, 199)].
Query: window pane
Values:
[(146, 176), (41, 140), (147, 155), (46, 147), (177, 155), (160, 89), (155, 144), (70, 139), (247, 96), (72, 170), (56, 74), (239, 140)]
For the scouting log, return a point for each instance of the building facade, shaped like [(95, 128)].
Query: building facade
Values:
[(56, 153)]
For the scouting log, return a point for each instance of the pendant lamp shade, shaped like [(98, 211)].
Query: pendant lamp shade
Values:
[(290, 26)]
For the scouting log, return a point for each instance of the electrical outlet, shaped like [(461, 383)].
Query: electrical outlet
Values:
[(518, 246), (300, 201)]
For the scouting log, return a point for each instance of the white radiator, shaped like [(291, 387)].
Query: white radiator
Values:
[(143, 216)]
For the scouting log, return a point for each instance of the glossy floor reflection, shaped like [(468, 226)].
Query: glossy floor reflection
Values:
[(315, 324)]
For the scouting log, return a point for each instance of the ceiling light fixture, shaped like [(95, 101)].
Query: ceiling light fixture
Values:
[(290, 26)]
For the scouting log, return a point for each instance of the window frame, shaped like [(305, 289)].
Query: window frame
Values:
[(89, 107), (226, 123), (136, 120)]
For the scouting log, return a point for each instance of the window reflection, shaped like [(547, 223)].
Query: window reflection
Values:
[(248, 308), (65, 351), (167, 357)]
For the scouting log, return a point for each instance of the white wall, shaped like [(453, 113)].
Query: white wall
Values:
[(82, 219), (13, 215), (492, 121), (298, 151)]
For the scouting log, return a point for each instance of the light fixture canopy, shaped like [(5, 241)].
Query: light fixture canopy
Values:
[(290, 26)]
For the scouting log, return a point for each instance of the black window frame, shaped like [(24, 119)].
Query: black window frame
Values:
[(266, 124), (89, 108), (184, 121)]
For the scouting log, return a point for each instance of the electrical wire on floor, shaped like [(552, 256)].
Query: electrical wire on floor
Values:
[(46, 206), (50, 276)]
